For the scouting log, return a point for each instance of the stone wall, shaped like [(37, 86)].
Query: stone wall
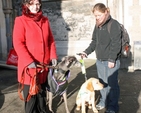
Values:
[(72, 24), (3, 40)]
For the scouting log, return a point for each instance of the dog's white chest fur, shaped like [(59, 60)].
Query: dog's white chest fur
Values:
[(85, 94)]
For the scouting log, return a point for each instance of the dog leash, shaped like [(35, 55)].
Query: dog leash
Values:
[(43, 66), (82, 65)]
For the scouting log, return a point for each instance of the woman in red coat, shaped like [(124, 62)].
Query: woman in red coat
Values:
[(34, 43)]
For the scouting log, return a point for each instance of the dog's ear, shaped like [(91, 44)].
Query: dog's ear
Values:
[(90, 86)]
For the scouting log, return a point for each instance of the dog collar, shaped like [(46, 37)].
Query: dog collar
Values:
[(57, 87)]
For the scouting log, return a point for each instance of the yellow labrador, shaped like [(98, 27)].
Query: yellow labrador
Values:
[(86, 94)]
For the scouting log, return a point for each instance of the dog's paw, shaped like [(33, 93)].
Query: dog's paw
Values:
[(51, 111), (90, 106), (95, 111), (78, 108)]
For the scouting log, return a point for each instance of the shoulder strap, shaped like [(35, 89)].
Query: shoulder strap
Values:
[(109, 25)]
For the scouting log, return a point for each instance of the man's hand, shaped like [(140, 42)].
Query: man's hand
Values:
[(111, 64), (83, 55)]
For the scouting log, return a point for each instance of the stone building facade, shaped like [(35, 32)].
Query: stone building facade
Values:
[(72, 23)]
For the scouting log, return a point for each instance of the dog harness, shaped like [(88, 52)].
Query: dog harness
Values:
[(57, 87)]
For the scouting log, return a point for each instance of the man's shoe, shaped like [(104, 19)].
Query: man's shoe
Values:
[(110, 111), (99, 107)]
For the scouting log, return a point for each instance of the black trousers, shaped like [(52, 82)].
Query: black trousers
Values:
[(37, 103)]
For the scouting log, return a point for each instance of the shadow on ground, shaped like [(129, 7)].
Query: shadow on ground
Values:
[(8, 83), (130, 90), (129, 83)]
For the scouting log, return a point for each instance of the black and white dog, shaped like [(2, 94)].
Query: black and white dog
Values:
[(58, 79)]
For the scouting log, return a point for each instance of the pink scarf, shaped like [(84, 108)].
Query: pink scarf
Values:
[(33, 16)]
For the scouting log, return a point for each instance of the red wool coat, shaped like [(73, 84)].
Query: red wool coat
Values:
[(33, 42)]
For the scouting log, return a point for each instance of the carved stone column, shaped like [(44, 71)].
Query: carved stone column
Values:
[(7, 9), (17, 7)]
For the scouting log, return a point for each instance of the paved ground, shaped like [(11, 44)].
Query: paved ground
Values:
[(130, 90)]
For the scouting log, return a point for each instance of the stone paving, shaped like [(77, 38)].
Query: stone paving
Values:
[(130, 90)]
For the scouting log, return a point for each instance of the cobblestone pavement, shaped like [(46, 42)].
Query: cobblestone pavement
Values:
[(130, 90)]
